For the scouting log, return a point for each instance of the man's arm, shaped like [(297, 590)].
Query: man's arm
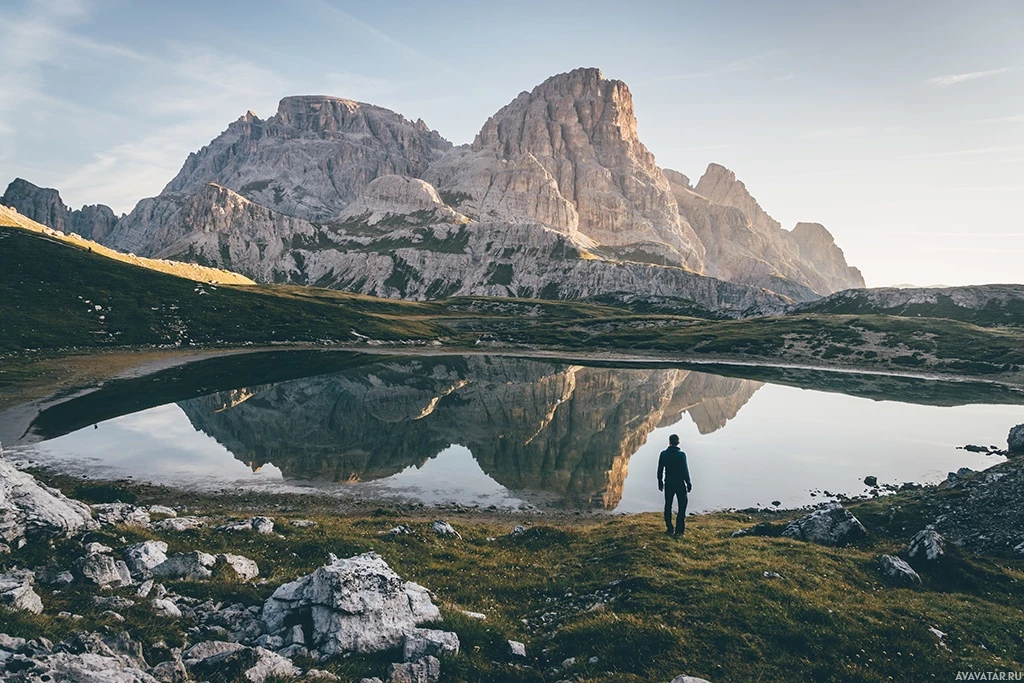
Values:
[(686, 474), (661, 470)]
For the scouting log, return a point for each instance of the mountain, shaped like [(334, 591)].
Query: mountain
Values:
[(44, 205), (978, 304), (556, 197)]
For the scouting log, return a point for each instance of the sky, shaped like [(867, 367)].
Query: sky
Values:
[(897, 125)]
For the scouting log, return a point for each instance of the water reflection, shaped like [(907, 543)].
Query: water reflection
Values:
[(562, 429)]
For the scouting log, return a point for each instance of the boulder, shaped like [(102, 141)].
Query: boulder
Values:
[(141, 558), (689, 679), (831, 525), (244, 664), (194, 565), (421, 642), (1015, 440), (162, 510), (243, 567), (121, 513), (30, 510), (358, 604), (261, 525), (91, 548), (443, 528), (53, 575), (78, 668), (927, 545), (426, 670), (103, 570), (898, 570), (166, 608), (207, 649), (16, 592)]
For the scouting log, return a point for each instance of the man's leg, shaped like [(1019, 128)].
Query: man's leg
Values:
[(681, 517), (669, 493)]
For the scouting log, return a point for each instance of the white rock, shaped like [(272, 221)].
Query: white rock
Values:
[(103, 570), (91, 548), (162, 510), (689, 679), (474, 615), (121, 513), (244, 664), (86, 667), (179, 523), (262, 525), (243, 567), (831, 525), (443, 528), (421, 642), (145, 588), (142, 557), (195, 565), (426, 670), (302, 523), (28, 509), (516, 649), (898, 570), (166, 608), (16, 591), (927, 545), (355, 605), (207, 649)]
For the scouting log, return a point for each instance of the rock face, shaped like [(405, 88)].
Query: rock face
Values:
[(831, 525), (141, 558), (745, 244), (358, 604), (29, 510), (567, 156), (44, 205), (103, 570)]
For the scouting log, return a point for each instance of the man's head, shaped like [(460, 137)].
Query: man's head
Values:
[(673, 440)]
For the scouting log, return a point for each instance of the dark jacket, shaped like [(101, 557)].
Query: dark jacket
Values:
[(673, 464)]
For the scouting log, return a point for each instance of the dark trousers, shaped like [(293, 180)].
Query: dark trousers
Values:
[(678, 493)]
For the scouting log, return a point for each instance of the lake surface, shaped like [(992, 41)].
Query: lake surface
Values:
[(493, 430)]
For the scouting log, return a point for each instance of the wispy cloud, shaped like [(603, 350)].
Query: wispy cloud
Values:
[(841, 132), (965, 152), (735, 66), (953, 79), (1002, 119)]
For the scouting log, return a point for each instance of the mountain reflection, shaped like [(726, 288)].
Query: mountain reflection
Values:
[(563, 429)]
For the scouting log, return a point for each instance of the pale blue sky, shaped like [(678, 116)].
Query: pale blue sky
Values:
[(898, 125)]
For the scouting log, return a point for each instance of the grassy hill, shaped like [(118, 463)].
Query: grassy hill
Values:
[(57, 294)]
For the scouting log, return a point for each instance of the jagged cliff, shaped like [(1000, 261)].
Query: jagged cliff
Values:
[(556, 197), (44, 205), (567, 430)]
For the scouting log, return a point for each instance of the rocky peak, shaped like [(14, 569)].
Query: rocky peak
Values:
[(818, 247), (41, 204), (720, 185), (567, 155), (44, 205)]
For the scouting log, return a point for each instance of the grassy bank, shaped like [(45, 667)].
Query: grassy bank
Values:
[(647, 606)]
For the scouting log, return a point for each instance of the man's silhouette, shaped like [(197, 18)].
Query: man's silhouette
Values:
[(676, 484)]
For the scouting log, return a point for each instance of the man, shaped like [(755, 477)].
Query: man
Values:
[(676, 484)]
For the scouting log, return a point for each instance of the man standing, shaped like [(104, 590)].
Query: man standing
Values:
[(676, 484)]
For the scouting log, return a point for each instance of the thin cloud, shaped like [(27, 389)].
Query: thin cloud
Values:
[(841, 132), (953, 79), (964, 152), (737, 66)]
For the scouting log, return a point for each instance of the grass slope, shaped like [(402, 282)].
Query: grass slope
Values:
[(648, 607)]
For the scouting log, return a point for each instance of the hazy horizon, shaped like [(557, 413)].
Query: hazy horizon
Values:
[(900, 128)]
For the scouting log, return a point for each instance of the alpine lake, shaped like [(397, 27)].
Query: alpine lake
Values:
[(515, 432)]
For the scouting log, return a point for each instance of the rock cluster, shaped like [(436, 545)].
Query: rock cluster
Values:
[(831, 525), (44, 205), (29, 510)]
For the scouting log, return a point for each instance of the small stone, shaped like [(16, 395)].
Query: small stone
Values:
[(593, 660), (179, 523), (831, 525), (91, 548), (141, 558), (103, 570), (162, 510), (194, 565), (263, 525), (321, 675), (518, 529), (51, 575), (474, 615), (443, 528), (689, 679), (111, 614), (144, 588), (1015, 440), (772, 575), (421, 642), (244, 568), (303, 524), (871, 481), (516, 649)]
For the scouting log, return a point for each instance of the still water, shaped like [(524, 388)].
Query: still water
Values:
[(511, 431)]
